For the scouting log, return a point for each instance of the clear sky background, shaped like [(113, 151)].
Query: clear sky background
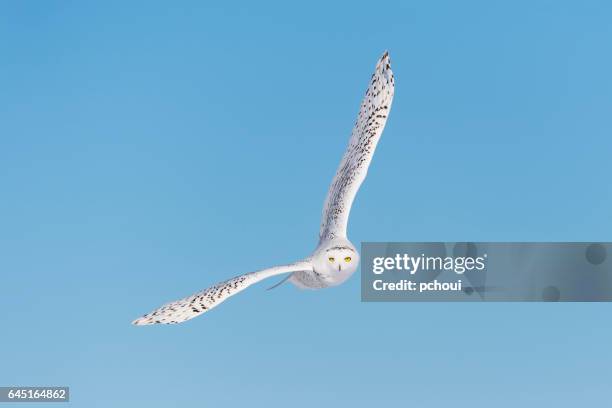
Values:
[(150, 149)]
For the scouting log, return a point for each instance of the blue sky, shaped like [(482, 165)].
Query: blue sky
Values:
[(149, 149)]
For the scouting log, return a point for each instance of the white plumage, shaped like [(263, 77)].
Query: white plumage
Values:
[(335, 259), (356, 160)]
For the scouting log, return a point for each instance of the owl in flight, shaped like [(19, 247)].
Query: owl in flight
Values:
[(335, 259)]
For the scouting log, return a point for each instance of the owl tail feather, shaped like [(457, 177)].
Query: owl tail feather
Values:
[(281, 282)]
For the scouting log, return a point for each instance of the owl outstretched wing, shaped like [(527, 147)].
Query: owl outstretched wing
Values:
[(201, 302), (354, 165)]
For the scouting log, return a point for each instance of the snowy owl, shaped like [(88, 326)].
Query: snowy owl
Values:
[(335, 259)]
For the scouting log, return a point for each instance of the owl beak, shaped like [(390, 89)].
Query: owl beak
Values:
[(339, 267)]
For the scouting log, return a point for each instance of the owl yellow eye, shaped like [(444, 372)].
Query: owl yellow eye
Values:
[(347, 259), (331, 259)]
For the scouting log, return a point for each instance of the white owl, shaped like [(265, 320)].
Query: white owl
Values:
[(335, 259)]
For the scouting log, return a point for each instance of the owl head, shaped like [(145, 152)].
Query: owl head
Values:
[(336, 262)]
